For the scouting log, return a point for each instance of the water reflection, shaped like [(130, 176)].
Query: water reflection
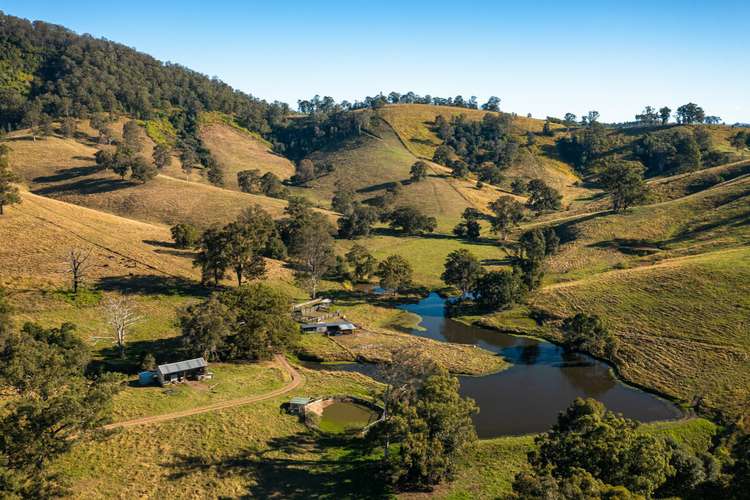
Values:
[(543, 380)]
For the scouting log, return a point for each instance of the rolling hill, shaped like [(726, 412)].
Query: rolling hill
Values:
[(65, 169)]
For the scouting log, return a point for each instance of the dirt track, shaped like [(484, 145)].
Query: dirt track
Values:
[(297, 379)]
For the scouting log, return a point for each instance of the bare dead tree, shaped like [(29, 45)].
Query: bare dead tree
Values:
[(120, 316), (78, 266)]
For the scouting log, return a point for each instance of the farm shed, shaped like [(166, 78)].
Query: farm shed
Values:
[(297, 405), (191, 369), (331, 327)]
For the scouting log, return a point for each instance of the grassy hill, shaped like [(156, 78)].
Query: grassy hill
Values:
[(236, 149), (683, 324), (65, 169)]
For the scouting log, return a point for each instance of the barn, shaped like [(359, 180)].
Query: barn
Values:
[(191, 369), (330, 327)]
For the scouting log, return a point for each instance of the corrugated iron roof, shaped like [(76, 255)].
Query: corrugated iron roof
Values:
[(300, 400), (181, 366)]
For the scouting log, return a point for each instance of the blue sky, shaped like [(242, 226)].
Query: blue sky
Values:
[(543, 57)]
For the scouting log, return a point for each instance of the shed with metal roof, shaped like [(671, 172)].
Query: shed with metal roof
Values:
[(180, 371)]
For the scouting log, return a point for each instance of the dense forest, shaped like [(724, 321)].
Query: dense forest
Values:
[(49, 70)]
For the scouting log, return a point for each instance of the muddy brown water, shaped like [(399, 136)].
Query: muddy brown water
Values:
[(543, 381)]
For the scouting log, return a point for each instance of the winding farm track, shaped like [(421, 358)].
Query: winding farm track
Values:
[(296, 381)]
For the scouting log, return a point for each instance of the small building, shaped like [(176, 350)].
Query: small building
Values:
[(191, 369), (297, 405), (336, 327)]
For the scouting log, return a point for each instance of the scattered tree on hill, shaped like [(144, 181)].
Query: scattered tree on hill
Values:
[(251, 322), (211, 256), (411, 221), (664, 114), (188, 160), (9, 194), (131, 136), (418, 171), (245, 241), (740, 140), (462, 270), (518, 186), (584, 332), (442, 155), (120, 315), (343, 197), (712, 120), (162, 156), (426, 417), (142, 170), (492, 104), (362, 263), (507, 214), (570, 119), (623, 180), (69, 127), (185, 235), (214, 172), (469, 227), (533, 247), (79, 266), (542, 197), (648, 116), (546, 130), (249, 181), (497, 290), (305, 171), (588, 440), (312, 248), (358, 222), (395, 273), (690, 113)]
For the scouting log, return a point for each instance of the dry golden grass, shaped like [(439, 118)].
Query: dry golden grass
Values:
[(237, 150), (65, 169), (39, 232)]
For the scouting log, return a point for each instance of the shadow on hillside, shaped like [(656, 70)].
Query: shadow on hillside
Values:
[(165, 350), (151, 284), (379, 187), (67, 174), (86, 186), (296, 466), (169, 248), (629, 246)]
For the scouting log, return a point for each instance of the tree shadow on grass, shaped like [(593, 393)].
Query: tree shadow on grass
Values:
[(298, 466), (86, 186), (66, 174), (150, 284)]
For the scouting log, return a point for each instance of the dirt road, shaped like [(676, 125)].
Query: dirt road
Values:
[(297, 379)]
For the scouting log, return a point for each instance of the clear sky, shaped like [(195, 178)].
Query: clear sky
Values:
[(542, 57)]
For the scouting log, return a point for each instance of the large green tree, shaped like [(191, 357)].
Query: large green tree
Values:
[(623, 180), (462, 270), (605, 445), (428, 419), (507, 214), (542, 197), (252, 322), (395, 273)]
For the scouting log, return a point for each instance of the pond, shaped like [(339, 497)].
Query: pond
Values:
[(543, 380), (339, 417)]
